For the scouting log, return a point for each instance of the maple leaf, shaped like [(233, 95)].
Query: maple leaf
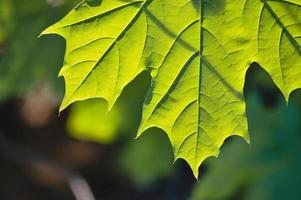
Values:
[(197, 52)]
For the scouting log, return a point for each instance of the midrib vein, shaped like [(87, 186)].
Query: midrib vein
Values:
[(199, 83)]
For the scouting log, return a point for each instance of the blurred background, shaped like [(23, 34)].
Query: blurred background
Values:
[(87, 153)]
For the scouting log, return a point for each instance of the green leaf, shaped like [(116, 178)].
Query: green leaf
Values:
[(5, 19), (197, 53), (89, 120)]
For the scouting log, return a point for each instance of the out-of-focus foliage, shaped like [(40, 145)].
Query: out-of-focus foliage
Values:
[(89, 120), (269, 169), (148, 158), (6, 19), (25, 59)]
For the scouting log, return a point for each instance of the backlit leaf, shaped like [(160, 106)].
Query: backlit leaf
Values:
[(197, 52)]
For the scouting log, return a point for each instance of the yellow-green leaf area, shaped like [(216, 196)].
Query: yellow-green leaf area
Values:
[(197, 52)]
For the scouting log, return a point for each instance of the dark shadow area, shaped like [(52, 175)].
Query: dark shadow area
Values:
[(196, 4), (94, 2), (259, 83), (133, 97)]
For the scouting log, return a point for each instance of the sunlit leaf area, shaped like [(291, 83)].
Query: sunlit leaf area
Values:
[(150, 100)]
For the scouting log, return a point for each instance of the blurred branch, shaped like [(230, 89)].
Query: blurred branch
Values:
[(26, 157)]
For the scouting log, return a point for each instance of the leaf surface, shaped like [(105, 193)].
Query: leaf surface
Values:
[(197, 52)]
